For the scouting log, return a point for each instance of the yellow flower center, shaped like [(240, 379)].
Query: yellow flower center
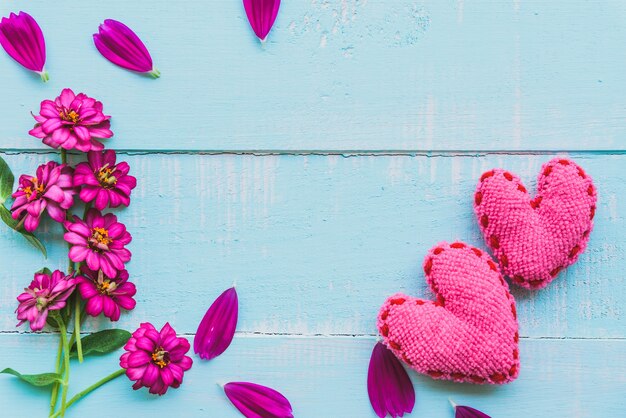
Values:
[(36, 188), (161, 357), (105, 176), (104, 284), (99, 239), (70, 116)]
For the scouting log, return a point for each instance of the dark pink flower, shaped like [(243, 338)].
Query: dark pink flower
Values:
[(50, 190), (120, 45), (256, 401), (156, 360), (22, 39), (45, 293), (388, 385), (103, 181), (98, 240), (261, 15), (106, 294), (72, 122), (217, 328)]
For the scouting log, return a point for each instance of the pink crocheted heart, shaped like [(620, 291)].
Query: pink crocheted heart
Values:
[(470, 334), (535, 239)]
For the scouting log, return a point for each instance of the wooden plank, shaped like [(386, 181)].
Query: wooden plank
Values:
[(316, 243), (341, 75), (327, 377)]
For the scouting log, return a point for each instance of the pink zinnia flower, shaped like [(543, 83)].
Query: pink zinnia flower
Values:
[(156, 360), (120, 45), (261, 15), (51, 189), (106, 294), (72, 122), (22, 39), (104, 181), (98, 240), (45, 293)]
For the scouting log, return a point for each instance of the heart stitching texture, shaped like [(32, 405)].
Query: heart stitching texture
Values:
[(469, 333), (535, 239)]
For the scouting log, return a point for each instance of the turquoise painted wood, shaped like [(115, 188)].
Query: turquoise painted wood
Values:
[(342, 75), (316, 171)]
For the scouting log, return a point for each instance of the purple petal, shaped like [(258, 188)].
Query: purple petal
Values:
[(256, 401), (22, 39), (261, 15), (217, 328), (120, 45), (468, 412), (388, 385)]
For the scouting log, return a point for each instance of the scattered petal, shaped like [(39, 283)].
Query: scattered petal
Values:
[(120, 45), (261, 15), (256, 401), (22, 39), (388, 385), (217, 328), (467, 412)]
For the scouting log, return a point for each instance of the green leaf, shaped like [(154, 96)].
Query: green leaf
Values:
[(5, 215), (6, 181), (44, 270), (102, 342), (42, 379)]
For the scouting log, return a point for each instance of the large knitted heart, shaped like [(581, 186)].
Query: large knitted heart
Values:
[(534, 239), (469, 334)]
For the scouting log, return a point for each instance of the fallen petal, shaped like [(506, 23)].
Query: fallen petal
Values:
[(217, 328), (261, 15), (22, 38), (388, 385), (467, 412), (256, 401)]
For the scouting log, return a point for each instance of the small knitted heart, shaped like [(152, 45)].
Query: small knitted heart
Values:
[(535, 239), (469, 334)]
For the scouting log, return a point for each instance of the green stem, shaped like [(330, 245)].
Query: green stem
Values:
[(77, 321), (90, 389), (66, 363), (55, 388)]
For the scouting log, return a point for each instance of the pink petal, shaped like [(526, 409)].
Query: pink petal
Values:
[(468, 412), (254, 400), (120, 45), (217, 328), (261, 15), (388, 385)]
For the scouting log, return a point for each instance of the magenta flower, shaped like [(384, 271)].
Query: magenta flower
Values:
[(261, 15), (51, 189), (388, 385), (104, 181), (72, 122), (22, 39), (46, 293), (156, 360), (98, 240), (120, 45), (106, 294), (256, 401), (467, 412), (217, 328)]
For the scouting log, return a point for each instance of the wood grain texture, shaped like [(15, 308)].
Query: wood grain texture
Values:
[(341, 75), (326, 377), (316, 243)]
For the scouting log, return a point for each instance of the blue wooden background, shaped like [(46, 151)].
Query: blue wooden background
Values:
[(315, 171)]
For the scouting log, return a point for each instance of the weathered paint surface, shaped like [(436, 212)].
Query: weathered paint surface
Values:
[(403, 105)]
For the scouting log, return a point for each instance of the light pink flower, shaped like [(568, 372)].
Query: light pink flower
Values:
[(106, 294), (156, 360), (103, 181), (99, 240), (51, 189), (22, 39), (45, 293), (72, 122)]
